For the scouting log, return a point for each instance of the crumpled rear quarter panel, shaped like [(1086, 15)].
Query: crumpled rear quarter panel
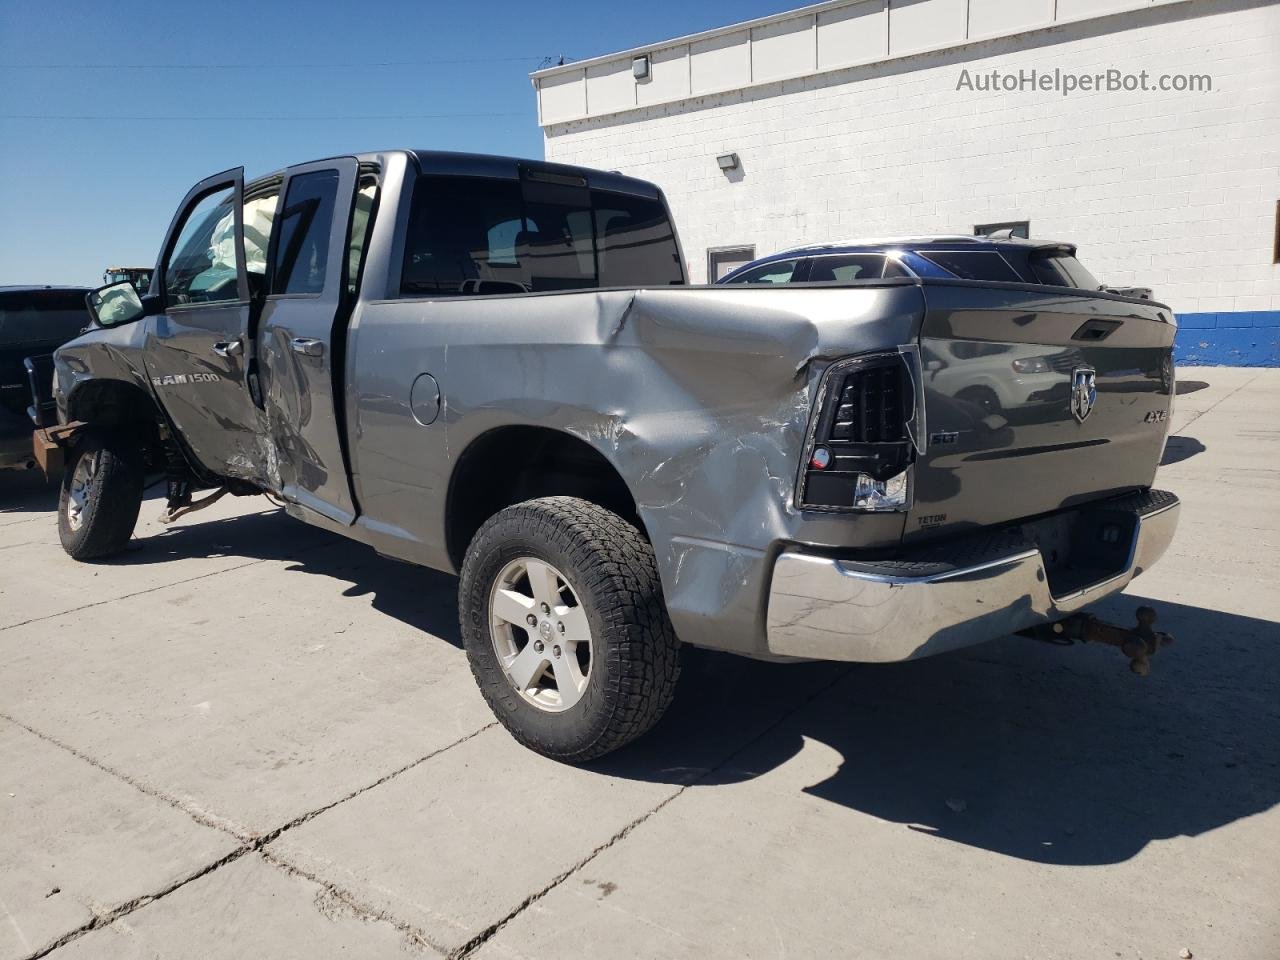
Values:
[(699, 397)]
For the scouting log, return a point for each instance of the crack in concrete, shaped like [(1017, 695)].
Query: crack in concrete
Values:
[(126, 596), (363, 911), (273, 835), (249, 843), (100, 920), (195, 813), (165, 586), (480, 939)]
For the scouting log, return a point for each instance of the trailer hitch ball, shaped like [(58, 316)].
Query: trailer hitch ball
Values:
[(1139, 643)]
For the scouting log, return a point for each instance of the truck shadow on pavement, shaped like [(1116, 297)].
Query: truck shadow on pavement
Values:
[(422, 598), (1048, 754), (24, 493), (1177, 449)]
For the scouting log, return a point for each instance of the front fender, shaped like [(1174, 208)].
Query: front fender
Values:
[(101, 355)]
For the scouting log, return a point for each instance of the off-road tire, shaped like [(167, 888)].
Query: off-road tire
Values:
[(635, 653), (112, 497)]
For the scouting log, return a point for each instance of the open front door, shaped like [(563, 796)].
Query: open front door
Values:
[(196, 350), (301, 365)]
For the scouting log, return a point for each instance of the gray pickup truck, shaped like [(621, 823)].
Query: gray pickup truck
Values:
[(495, 367)]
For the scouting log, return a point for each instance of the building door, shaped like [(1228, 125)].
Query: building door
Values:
[(721, 261)]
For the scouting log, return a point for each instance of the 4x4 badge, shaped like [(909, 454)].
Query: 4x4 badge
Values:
[(1084, 392)]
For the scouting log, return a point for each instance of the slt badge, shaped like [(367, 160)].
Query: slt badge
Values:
[(1084, 392)]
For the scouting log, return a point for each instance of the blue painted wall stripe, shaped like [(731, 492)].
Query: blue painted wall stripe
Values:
[(1240, 339)]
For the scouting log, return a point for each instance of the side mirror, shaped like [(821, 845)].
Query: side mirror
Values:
[(115, 304)]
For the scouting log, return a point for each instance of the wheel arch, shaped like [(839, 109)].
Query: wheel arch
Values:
[(510, 464), (110, 402)]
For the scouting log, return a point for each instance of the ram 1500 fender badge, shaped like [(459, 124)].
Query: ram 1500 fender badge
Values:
[(1084, 392), (173, 379)]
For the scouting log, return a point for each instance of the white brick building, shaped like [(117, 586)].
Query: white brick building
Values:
[(847, 121)]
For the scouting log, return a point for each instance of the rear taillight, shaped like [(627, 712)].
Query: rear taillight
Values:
[(860, 448), (871, 405)]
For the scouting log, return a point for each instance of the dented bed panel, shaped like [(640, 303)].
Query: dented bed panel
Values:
[(699, 397)]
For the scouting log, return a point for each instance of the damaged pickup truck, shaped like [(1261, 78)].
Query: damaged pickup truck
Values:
[(495, 367)]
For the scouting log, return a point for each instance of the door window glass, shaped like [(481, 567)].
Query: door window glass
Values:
[(306, 222), (202, 265), (844, 268), (779, 271)]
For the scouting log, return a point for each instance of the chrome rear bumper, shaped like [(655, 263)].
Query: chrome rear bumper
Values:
[(823, 608)]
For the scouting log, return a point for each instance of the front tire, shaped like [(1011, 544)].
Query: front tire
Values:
[(101, 495), (566, 629)]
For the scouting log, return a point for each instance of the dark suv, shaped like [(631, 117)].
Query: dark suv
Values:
[(34, 321), (1007, 260)]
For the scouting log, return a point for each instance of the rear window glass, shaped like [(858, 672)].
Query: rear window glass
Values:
[(973, 264), (32, 316), (1060, 271), (44, 300), (480, 235)]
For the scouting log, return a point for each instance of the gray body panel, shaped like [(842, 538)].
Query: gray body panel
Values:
[(700, 398)]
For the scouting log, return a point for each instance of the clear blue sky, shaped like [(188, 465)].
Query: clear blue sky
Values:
[(78, 192)]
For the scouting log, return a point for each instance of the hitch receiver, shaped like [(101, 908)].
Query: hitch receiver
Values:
[(1139, 643)]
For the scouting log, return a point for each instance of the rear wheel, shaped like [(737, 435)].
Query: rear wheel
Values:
[(565, 627), (101, 495)]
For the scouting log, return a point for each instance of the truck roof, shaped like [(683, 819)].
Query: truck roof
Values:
[(487, 165), (490, 165)]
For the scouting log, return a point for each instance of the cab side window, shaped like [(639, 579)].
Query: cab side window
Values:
[(202, 263), (302, 249)]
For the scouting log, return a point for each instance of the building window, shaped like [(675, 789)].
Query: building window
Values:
[(1013, 228), (721, 261)]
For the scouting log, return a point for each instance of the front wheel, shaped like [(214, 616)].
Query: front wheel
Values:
[(566, 629), (101, 495)]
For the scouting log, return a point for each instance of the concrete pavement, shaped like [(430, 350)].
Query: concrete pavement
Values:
[(250, 738)]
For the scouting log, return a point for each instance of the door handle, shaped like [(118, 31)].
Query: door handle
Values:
[(229, 348), (308, 347)]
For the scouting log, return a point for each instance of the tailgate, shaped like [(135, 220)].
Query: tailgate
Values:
[(1036, 401)]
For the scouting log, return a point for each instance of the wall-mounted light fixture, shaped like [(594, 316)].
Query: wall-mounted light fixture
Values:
[(640, 67), (727, 161)]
